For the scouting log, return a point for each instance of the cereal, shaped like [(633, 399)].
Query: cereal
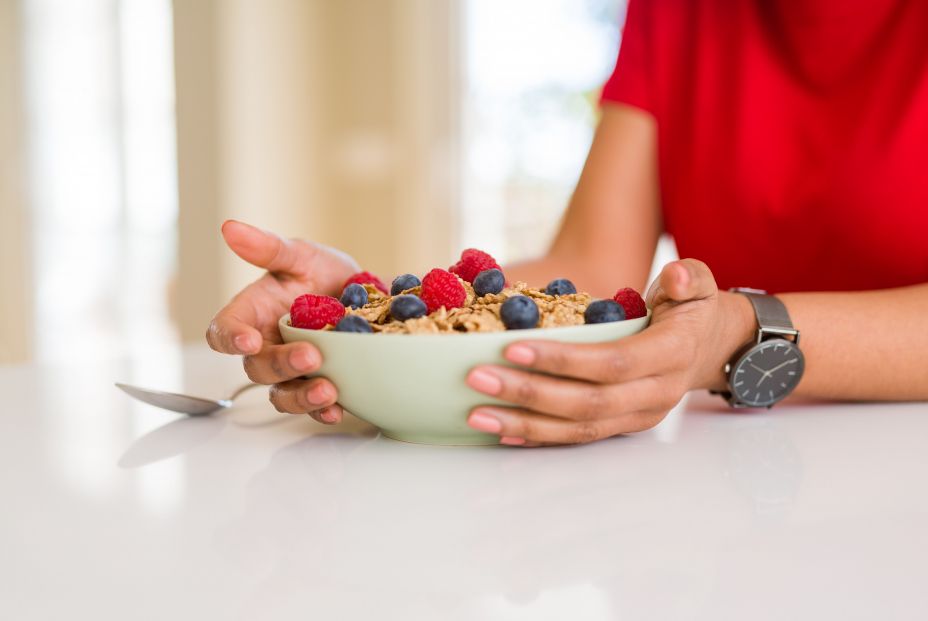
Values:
[(479, 313), (501, 307)]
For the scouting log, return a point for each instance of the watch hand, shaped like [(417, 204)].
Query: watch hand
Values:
[(765, 375), (781, 365)]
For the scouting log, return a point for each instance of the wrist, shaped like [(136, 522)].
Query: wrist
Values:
[(738, 327)]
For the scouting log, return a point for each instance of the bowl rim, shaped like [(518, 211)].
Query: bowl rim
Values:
[(528, 334)]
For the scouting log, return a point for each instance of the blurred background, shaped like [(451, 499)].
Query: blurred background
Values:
[(399, 130)]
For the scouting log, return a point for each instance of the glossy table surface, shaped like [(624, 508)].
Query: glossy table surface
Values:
[(111, 509)]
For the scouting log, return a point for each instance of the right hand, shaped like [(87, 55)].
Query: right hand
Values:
[(247, 325)]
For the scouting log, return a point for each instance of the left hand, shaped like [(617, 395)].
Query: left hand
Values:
[(577, 393)]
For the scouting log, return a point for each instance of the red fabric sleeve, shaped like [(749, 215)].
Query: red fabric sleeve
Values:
[(630, 81)]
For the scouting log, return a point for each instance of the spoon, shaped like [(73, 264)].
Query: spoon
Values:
[(185, 404)]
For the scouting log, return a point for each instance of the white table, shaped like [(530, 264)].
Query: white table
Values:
[(115, 510)]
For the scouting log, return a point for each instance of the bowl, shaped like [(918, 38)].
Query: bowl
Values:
[(412, 386)]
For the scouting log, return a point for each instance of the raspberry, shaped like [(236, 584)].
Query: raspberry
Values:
[(315, 312), (631, 302), (473, 262), (441, 288), (366, 278)]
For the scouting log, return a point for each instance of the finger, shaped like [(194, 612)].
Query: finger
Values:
[(233, 331), (267, 250), (280, 363), (651, 352), (289, 258), (564, 398), (681, 281), (516, 425), (328, 416), (303, 396)]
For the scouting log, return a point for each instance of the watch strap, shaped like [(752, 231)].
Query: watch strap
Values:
[(770, 311)]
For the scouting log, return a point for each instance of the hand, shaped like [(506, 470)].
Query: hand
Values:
[(575, 393), (247, 325)]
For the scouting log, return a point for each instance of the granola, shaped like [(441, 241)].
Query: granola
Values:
[(479, 313), (470, 296)]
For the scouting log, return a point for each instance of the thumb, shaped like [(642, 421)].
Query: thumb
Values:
[(267, 250), (681, 281)]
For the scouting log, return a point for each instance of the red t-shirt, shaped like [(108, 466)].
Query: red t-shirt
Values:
[(792, 136)]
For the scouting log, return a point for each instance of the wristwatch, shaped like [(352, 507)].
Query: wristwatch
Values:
[(768, 369)]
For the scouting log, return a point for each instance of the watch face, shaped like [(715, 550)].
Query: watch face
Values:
[(767, 372)]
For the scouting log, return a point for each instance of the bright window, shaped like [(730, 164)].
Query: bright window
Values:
[(103, 183), (533, 69)]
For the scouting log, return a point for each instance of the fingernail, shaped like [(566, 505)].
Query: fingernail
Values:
[(302, 359), (244, 343), (520, 354), (328, 416), (512, 441), (484, 422), (319, 394), (484, 382)]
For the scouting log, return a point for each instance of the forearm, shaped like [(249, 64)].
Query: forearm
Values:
[(611, 227), (869, 345)]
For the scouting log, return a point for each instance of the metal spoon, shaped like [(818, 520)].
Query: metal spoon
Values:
[(185, 404)]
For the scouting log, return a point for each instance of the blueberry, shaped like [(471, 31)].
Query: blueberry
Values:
[(404, 282), (407, 306), (560, 286), (519, 312), (353, 323), (354, 296), (489, 281), (604, 311)]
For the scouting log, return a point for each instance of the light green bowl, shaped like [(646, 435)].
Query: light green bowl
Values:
[(412, 386)]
